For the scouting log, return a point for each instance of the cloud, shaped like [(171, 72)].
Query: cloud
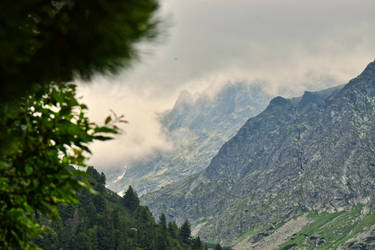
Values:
[(282, 40), (140, 136), (289, 45)]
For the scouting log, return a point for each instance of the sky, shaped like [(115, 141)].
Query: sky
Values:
[(287, 45)]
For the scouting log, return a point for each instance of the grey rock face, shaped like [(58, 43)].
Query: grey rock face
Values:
[(315, 152), (197, 128)]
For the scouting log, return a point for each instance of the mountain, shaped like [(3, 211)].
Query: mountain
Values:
[(197, 127), (300, 156), (107, 221)]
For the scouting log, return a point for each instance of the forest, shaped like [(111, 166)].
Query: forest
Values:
[(105, 220)]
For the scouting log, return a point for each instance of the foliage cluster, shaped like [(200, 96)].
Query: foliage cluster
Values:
[(45, 45), (44, 41), (41, 139)]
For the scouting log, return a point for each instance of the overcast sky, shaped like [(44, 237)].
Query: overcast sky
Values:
[(289, 45)]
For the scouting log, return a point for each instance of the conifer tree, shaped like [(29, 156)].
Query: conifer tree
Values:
[(130, 199), (218, 247), (172, 228), (161, 243), (197, 244), (185, 232), (163, 221)]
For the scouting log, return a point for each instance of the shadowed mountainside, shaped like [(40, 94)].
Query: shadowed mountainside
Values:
[(313, 153)]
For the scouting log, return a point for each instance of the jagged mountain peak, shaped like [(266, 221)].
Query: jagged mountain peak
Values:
[(310, 100), (312, 153), (198, 125), (185, 98), (364, 80), (369, 70), (279, 105), (279, 101)]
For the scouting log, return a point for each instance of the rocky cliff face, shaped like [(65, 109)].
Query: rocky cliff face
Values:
[(198, 127), (315, 152)]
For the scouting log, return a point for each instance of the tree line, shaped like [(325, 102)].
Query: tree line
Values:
[(107, 221)]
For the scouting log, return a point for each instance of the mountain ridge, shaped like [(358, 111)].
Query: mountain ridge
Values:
[(197, 126), (313, 153)]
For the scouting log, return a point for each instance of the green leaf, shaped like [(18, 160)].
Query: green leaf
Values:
[(105, 130), (28, 170), (102, 138)]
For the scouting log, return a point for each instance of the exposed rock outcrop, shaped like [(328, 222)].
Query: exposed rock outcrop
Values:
[(316, 152)]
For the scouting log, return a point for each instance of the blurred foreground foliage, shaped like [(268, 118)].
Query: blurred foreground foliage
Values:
[(41, 139), (45, 45), (44, 41)]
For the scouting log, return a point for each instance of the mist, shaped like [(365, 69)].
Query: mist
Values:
[(290, 46)]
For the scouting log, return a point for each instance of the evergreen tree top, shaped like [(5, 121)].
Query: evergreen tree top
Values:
[(130, 199)]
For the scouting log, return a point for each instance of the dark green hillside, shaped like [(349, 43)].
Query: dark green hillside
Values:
[(108, 221)]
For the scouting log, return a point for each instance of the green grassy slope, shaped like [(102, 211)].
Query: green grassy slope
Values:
[(345, 229)]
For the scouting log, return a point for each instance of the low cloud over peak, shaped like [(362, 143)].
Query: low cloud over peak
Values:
[(290, 46)]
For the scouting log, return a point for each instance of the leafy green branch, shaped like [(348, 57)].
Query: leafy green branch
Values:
[(43, 141)]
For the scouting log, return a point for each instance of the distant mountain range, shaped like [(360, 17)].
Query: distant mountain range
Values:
[(197, 127), (301, 174)]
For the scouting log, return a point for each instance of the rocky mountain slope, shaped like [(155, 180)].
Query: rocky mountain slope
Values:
[(197, 127), (349, 229), (313, 153)]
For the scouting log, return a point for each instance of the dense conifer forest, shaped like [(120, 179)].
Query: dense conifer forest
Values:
[(108, 221)]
